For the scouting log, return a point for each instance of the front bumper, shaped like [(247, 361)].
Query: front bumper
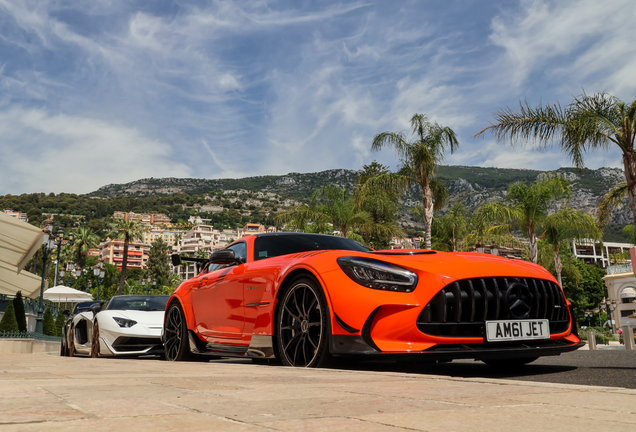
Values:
[(350, 345)]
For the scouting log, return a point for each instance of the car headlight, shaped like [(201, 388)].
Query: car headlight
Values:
[(380, 275), (124, 322)]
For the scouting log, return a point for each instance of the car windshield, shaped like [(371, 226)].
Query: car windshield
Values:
[(269, 246), (138, 302), (83, 306)]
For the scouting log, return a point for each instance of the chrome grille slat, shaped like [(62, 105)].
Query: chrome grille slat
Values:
[(461, 308)]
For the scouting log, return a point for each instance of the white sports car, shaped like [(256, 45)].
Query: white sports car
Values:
[(127, 325)]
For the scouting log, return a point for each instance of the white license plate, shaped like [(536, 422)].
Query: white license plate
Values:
[(515, 330)]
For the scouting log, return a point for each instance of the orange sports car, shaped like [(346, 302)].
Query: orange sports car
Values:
[(303, 298)]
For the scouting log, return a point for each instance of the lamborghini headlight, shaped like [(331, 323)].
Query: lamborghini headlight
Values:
[(380, 275), (124, 322)]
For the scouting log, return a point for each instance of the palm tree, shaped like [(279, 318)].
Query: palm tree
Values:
[(85, 238), (564, 226), (528, 208), (588, 123), (381, 204), (129, 231), (330, 208), (420, 157), (452, 228)]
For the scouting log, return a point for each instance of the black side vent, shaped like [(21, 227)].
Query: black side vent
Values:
[(461, 308)]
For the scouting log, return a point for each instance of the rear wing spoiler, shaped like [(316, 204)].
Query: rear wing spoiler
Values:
[(178, 259)]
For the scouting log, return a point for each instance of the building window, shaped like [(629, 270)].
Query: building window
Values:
[(626, 313)]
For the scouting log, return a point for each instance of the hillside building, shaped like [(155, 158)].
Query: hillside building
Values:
[(591, 252), (17, 214), (112, 252), (169, 236), (146, 219)]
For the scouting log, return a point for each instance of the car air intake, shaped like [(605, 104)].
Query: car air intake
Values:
[(461, 308)]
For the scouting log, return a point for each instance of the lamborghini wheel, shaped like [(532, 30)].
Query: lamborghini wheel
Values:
[(95, 341), (176, 333), (508, 363), (301, 325)]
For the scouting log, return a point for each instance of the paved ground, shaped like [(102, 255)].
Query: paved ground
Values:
[(607, 367), (47, 392)]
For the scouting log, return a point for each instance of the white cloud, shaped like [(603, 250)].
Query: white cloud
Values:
[(568, 42), (60, 153)]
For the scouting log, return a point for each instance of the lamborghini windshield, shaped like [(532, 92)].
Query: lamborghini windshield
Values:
[(138, 302)]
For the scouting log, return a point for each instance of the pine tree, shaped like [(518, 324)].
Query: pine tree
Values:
[(158, 267), (8, 322), (48, 323), (59, 323), (20, 316)]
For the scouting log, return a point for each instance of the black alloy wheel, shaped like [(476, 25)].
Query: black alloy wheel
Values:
[(95, 341), (509, 363), (176, 344), (301, 325)]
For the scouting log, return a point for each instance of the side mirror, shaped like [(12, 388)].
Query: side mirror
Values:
[(176, 259), (95, 307), (224, 256), (66, 312)]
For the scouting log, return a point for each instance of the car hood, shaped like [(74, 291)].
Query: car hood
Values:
[(150, 318), (463, 265)]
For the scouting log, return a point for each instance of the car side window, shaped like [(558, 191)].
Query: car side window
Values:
[(240, 251)]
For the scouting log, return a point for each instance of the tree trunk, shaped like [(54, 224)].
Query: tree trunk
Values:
[(558, 265), (629, 162), (427, 211), (532, 237), (124, 264)]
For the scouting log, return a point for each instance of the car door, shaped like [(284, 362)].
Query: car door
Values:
[(217, 300)]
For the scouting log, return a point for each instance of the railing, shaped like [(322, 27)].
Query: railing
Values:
[(619, 268), (30, 305), (29, 335)]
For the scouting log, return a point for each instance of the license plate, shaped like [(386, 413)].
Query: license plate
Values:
[(515, 330)]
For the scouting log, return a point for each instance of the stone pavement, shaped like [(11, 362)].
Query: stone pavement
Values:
[(47, 392)]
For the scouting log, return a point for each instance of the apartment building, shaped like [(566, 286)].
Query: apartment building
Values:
[(147, 219), (591, 252), (168, 236), (112, 252), (17, 214)]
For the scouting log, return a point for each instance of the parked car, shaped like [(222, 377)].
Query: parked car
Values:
[(126, 325), (304, 298)]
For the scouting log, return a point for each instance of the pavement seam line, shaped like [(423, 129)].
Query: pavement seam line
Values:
[(386, 424), (69, 404), (241, 422)]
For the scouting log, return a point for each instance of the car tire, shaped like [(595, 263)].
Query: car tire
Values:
[(95, 345), (71, 346), (177, 346), (63, 349), (302, 324), (509, 363)]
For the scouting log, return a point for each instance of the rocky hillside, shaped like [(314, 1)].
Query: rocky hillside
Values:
[(470, 185)]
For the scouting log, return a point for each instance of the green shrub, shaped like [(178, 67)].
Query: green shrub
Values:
[(59, 323), (8, 322), (20, 316), (48, 323)]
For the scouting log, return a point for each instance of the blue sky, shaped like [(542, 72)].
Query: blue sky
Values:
[(109, 91)]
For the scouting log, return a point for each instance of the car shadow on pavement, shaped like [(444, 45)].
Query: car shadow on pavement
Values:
[(459, 369)]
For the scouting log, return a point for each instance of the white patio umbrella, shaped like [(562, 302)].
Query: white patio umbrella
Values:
[(63, 294)]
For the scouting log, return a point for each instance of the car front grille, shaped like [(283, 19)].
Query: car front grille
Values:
[(461, 308), (129, 344)]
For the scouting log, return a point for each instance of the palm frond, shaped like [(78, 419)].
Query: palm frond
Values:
[(611, 199)]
